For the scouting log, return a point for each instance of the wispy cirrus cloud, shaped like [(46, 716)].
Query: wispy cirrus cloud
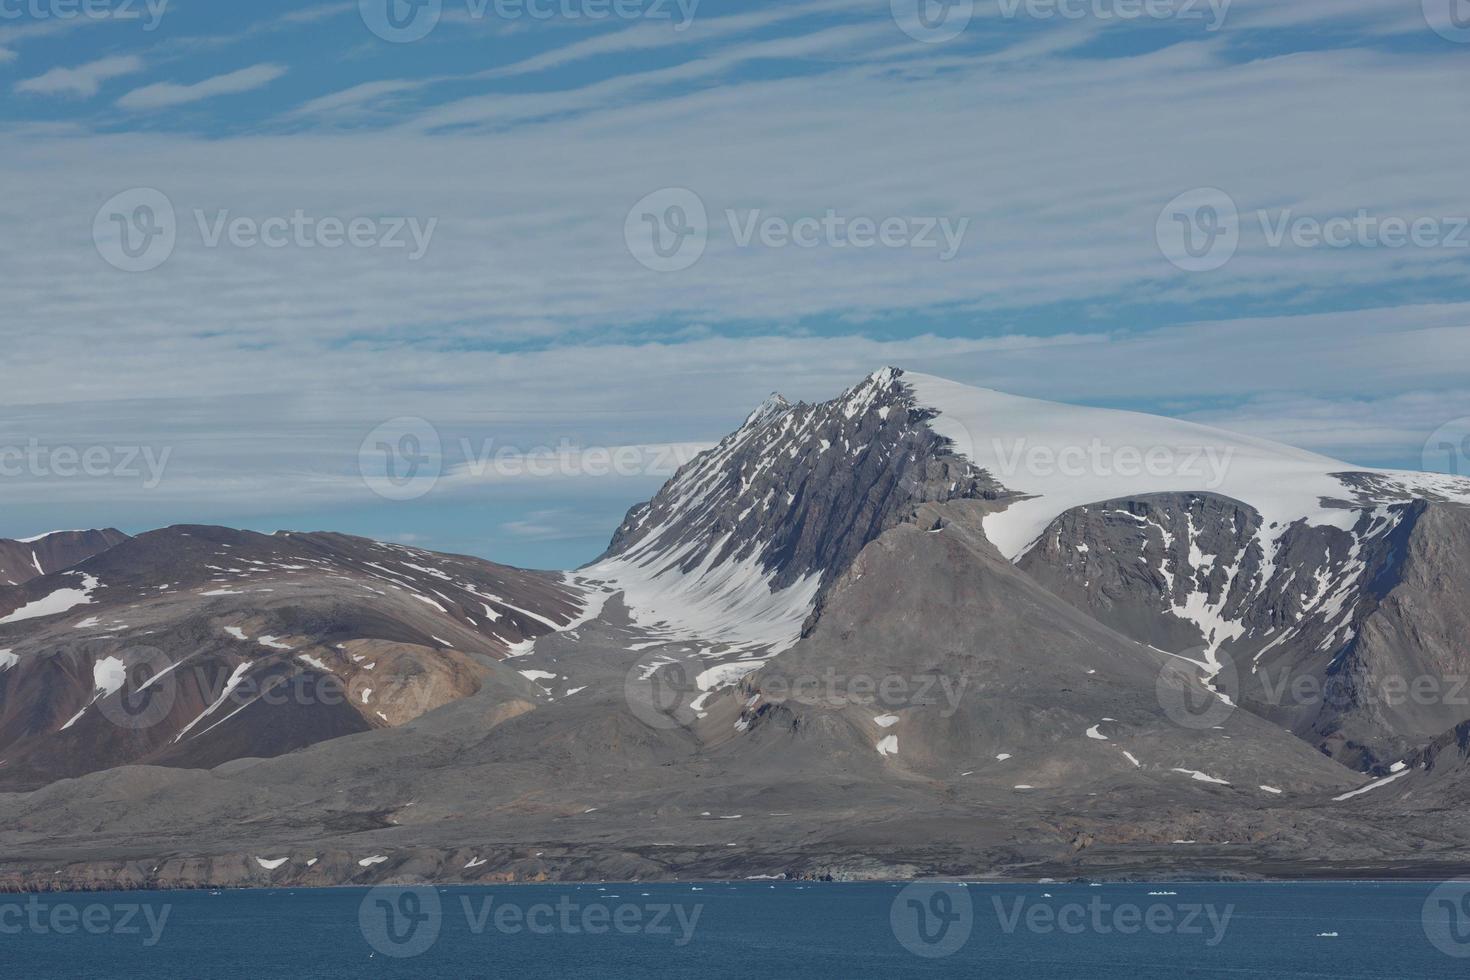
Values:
[(529, 319), (82, 81), (162, 95)]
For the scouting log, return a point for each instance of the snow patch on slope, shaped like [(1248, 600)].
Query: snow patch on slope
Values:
[(58, 601)]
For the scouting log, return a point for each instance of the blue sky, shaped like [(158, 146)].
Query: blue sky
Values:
[(517, 137)]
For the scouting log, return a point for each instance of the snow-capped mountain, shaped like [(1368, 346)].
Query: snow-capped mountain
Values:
[(1000, 602), (740, 542)]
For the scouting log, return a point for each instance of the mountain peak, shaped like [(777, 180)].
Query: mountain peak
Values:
[(774, 406)]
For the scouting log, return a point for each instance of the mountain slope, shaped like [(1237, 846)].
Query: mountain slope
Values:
[(21, 561), (856, 638), (192, 646)]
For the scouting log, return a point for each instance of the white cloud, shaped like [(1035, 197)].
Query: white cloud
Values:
[(357, 97), (84, 80), (530, 321), (164, 94)]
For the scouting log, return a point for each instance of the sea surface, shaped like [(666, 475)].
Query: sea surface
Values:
[(1342, 931)]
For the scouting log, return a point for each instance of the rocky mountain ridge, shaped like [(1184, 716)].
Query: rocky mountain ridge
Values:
[(878, 636)]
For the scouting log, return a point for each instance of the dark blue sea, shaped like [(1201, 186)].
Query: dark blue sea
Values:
[(1342, 931)]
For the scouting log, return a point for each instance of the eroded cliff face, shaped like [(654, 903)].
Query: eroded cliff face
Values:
[(1347, 635)]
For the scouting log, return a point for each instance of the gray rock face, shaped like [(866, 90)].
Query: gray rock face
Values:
[(21, 561), (803, 488), (1348, 637), (788, 500)]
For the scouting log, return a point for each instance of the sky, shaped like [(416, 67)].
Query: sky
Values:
[(476, 275)]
